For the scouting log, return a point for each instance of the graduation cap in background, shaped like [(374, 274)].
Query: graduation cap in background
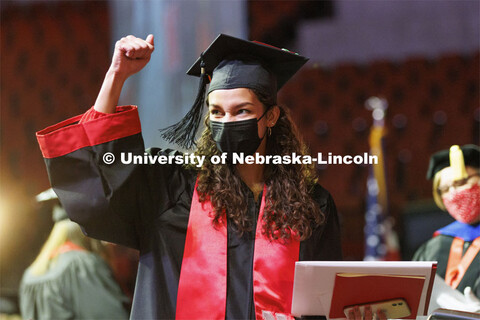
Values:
[(230, 63), (50, 198), (442, 159)]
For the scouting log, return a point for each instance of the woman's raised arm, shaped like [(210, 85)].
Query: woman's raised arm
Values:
[(130, 56)]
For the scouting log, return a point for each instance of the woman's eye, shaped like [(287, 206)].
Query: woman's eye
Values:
[(214, 112), (243, 111)]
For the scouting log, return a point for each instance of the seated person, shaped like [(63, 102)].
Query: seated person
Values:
[(69, 279), (456, 189)]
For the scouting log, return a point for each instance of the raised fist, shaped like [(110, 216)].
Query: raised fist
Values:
[(131, 55)]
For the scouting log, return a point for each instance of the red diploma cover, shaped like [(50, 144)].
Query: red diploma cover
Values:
[(354, 289)]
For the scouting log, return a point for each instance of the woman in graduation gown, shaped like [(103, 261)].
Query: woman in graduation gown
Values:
[(70, 279), (216, 241), (456, 189)]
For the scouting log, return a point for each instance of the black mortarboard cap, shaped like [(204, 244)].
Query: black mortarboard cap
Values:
[(441, 159), (283, 64), (234, 63)]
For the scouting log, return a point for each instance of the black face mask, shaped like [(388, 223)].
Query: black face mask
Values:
[(237, 136)]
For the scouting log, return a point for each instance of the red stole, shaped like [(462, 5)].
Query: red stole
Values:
[(458, 264), (202, 290), (66, 247)]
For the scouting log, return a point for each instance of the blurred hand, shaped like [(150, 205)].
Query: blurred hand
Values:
[(131, 55), (355, 314)]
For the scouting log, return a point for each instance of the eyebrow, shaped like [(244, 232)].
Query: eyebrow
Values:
[(238, 106)]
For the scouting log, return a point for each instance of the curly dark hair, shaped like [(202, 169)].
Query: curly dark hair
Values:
[(289, 207)]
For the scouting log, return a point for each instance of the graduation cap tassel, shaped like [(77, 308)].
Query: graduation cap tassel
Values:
[(183, 132)]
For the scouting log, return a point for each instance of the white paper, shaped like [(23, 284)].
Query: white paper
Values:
[(444, 296)]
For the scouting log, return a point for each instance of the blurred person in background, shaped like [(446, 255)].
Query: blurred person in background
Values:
[(456, 189), (70, 278)]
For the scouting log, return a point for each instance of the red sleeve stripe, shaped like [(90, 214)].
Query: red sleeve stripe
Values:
[(91, 114), (70, 135)]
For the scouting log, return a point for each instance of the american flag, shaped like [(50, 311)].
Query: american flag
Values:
[(381, 242)]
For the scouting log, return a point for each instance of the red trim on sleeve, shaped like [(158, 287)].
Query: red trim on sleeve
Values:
[(76, 133), (91, 114)]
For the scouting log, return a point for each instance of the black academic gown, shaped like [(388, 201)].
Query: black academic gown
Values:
[(146, 207)]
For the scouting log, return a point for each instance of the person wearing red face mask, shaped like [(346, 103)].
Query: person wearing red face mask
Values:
[(456, 189)]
